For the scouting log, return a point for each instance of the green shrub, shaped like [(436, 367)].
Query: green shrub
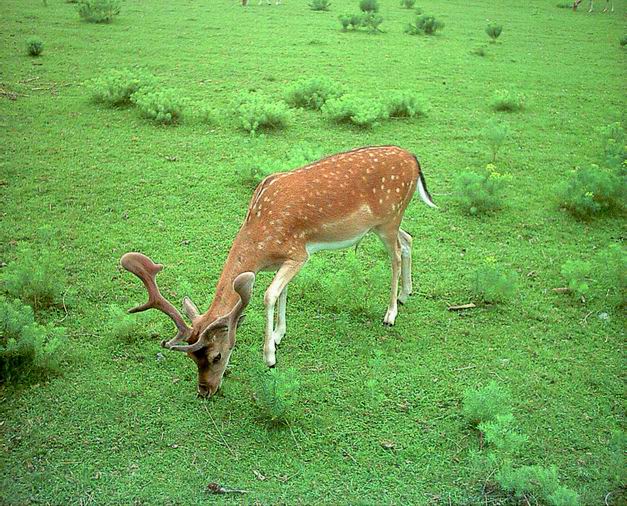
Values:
[(576, 273), (623, 41), (495, 134), (28, 350), (480, 192), (611, 273), (493, 31), (505, 100), (277, 394), (614, 147), (256, 112), (345, 21), (486, 404), (118, 86), (313, 93), (424, 25), (369, 6), (404, 104), (123, 326), (493, 283), (501, 433), (537, 483), (408, 4), (98, 11), (358, 110), (479, 51), (592, 191), (372, 21), (36, 278), (162, 106), (34, 46), (320, 5)]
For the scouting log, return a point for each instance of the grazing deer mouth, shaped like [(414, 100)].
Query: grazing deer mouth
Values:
[(205, 391)]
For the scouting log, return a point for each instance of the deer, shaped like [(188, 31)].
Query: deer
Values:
[(329, 204), (607, 4)]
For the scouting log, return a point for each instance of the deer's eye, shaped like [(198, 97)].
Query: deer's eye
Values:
[(217, 358)]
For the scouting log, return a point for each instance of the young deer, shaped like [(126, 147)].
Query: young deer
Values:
[(607, 3), (329, 204)]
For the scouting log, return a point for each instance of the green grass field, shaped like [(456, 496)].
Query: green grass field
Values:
[(121, 424)]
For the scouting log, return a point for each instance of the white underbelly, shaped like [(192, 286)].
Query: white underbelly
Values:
[(312, 247)]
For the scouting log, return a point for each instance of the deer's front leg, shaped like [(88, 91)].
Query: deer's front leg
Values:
[(279, 284), (281, 320)]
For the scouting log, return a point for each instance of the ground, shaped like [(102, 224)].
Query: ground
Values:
[(122, 424)]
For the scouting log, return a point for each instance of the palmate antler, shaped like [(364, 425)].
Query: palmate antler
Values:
[(146, 270)]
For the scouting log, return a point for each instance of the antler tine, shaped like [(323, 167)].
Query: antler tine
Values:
[(243, 285), (146, 270)]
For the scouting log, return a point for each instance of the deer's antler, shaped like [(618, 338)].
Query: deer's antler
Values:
[(243, 285), (146, 270)]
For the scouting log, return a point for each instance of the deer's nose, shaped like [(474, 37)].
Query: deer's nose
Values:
[(204, 391)]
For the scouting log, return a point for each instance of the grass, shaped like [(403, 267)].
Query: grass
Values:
[(123, 425)]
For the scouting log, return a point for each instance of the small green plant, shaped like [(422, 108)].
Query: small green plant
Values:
[(614, 147), (424, 25), (536, 483), (313, 93), (372, 21), (479, 51), (320, 5), (36, 278), (501, 433), (577, 273), (345, 21), (508, 101), (404, 104), (481, 192), (408, 4), (28, 350), (493, 283), (486, 404), (495, 135), (369, 6), (277, 394), (493, 31), (255, 112), (34, 46), (611, 273), (118, 86), (592, 191), (623, 41), (124, 327), (358, 110), (162, 106), (99, 11)]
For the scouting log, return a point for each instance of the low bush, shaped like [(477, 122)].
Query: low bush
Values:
[(508, 101), (255, 112), (493, 283), (99, 11), (424, 25), (34, 46), (313, 93), (494, 31), (610, 268), (118, 86), (495, 134), (358, 110), (372, 21), (577, 273), (536, 483), (369, 6), (28, 350), (592, 191), (277, 394), (486, 404), (481, 192), (404, 104), (614, 148), (162, 106), (502, 434), (320, 5), (37, 279), (408, 4), (623, 41)]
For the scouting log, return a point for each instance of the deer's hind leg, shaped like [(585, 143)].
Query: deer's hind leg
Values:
[(406, 284), (389, 235)]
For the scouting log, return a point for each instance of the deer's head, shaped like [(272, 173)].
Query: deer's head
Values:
[(208, 344)]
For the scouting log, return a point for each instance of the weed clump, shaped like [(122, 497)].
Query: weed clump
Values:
[(34, 46), (404, 104), (537, 482), (358, 110), (256, 112), (494, 31), (495, 134), (277, 394), (623, 41), (320, 5), (28, 350), (369, 6), (36, 279), (614, 147), (592, 191), (481, 192), (408, 4), (576, 273), (123, 326), (162, 106), (424, 25), (99, 11), (118, 86), (508, 101), (486, 404), (493, 283), (313, 93)]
